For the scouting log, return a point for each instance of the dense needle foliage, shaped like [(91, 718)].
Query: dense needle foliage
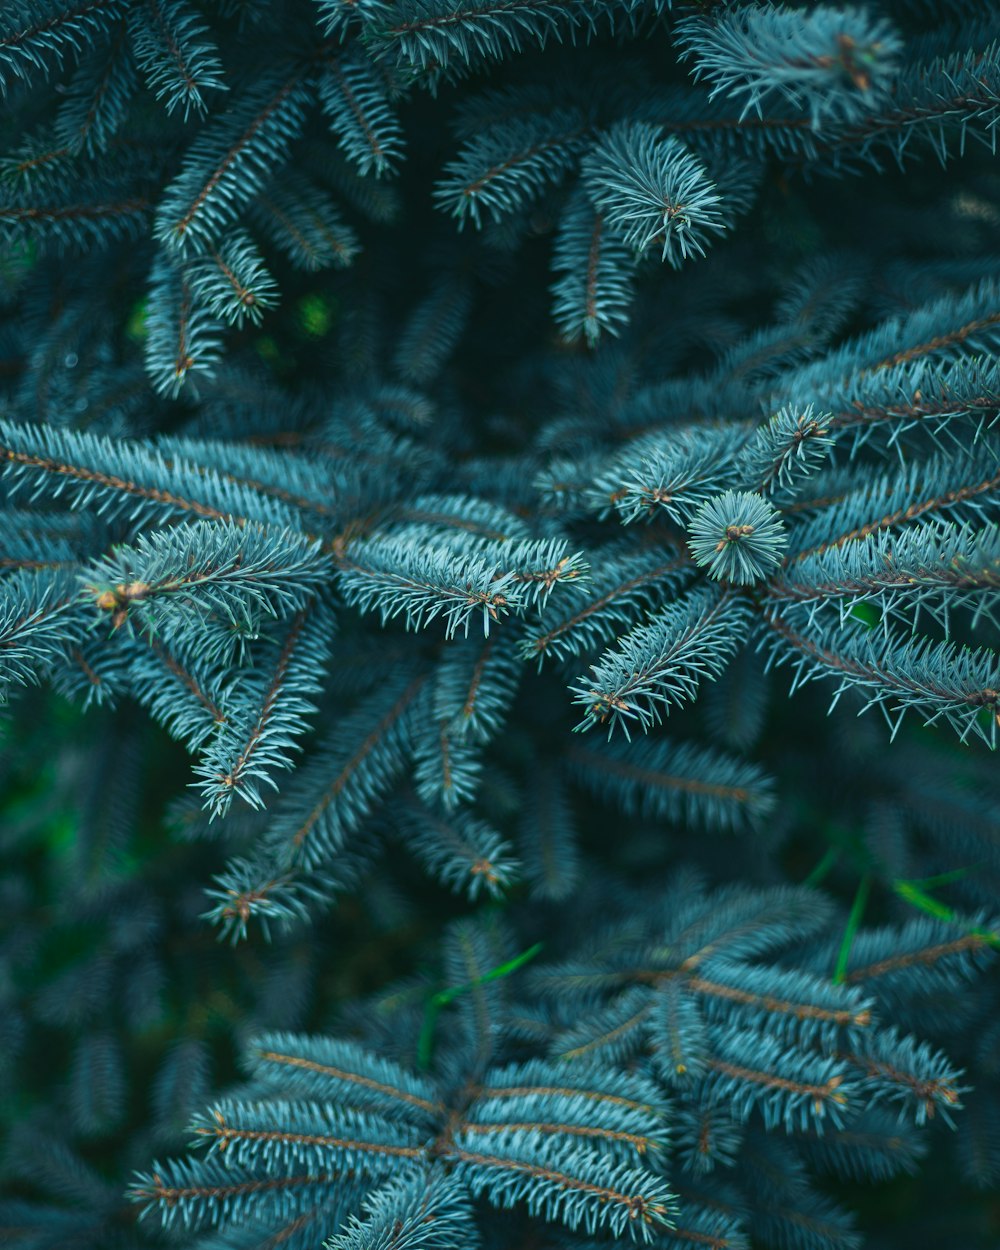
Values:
[(499, 525)]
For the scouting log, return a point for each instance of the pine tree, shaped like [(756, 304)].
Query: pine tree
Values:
[(499, 522)]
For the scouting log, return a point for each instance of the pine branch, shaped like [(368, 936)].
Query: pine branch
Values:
[(183, 340), (428, 35), (505, 168), (940, 567), (40, 619), (355, 98), (35, 36), (837, 65), (231, 161), (232, 283), (660, 665), (349, 776), (394, 579), (946, 488), (174, 51), (593, 293), (253, 1134), (321, 1067), (573, 1185), (653, 191), (624, 582), (462, 852), (244, 573), (304, 223), (122, 478), (273, 709), (680, 783), (940, 681), (98, 99)]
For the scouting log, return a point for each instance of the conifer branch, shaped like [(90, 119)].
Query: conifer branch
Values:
[(660, 665), (239, 154)]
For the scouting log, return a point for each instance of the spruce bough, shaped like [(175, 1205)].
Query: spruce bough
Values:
[(498, 521)]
